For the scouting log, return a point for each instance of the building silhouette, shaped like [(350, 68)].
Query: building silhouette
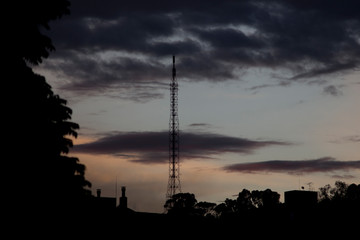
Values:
[(297, 199), (104, 203)]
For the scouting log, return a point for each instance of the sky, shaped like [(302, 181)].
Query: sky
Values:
[(268, 94)]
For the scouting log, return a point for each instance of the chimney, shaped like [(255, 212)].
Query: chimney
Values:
[(98, 192), (123, 198)]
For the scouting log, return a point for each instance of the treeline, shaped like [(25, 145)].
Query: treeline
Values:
[(253, 214), (342, 197), (257, 214)]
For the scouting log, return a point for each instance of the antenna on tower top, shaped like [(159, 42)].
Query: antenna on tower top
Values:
[(174, 167)]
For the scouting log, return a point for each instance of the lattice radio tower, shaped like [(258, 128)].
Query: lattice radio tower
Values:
[(174, 167)]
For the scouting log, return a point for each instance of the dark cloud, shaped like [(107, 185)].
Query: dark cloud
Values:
[(212, 39), (200, 125), (152, 147), (346, 176), (124, 78), (347, 139), (332, 90), (354, 138), (281, 83), (325, 164)]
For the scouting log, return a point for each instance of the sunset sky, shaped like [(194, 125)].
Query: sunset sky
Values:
[(268, 94)]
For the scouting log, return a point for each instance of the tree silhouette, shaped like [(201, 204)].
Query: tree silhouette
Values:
[(38, 129), (29, 19), (259, 213), (181, 204), (339, 206), (341, 194), (205, 209), (244, 201), (265, 199), (353, 193)]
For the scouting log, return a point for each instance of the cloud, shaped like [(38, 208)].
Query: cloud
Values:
[(347, 139), (332, 91), (199, 125), (354, 138), (152, 147), (213, 39), (122, 77), (346, 176), (325, 164)]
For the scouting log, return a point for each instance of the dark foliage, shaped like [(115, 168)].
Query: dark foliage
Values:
[(29, 20), (259, 213), (341, 201), (37, 127), (181, 203)]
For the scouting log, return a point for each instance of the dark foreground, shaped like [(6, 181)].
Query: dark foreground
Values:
[(282, 224)]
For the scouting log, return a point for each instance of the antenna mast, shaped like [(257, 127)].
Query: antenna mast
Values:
[(174, 167)]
